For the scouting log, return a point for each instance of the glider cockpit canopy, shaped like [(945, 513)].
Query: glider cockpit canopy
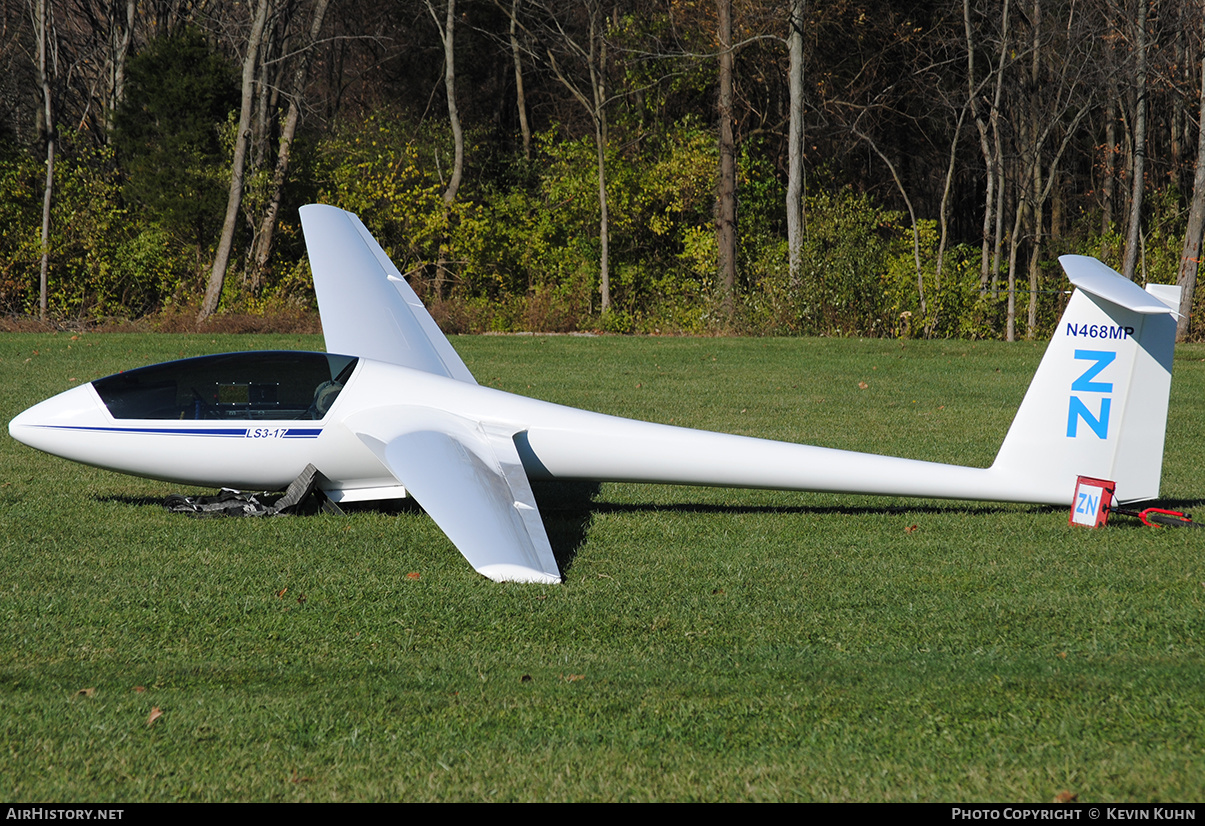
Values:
[(275, 385)]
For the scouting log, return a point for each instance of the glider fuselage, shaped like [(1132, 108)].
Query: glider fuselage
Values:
[(249, 446)]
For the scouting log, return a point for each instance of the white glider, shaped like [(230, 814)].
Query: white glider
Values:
[(397, 412)]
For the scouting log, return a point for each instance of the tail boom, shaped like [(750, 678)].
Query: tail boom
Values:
[(1097, 407)]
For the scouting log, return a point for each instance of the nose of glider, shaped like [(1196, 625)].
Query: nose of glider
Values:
[(56, 424)]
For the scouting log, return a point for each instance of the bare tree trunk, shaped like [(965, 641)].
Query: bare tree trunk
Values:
[(265, 85), (998, 229), (1035, 106), (1057, 207), (47, 63), (524, 128), (213, 291), (598, 82), (1110, 181), (726, 202), (1035, 247), (990, 151), (263, 242), (1133, 239), (1010, 323), (943, 209), (270, 75), (1179, 107), (1190, 256), (795, 144), (47, 197), (604, 228), (1030, 157), (447, 33), (119, 48), (998, 154)]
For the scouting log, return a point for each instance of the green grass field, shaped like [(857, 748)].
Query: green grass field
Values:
[(707, 644)]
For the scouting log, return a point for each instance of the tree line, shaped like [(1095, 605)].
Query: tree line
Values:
[(769, 166)]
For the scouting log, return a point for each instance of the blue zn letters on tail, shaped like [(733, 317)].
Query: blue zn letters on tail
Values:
[(1084, 384)]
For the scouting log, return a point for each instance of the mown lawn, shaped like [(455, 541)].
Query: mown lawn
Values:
[(707, 644)]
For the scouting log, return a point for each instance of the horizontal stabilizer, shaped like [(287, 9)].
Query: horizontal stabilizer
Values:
[(1103, 281)]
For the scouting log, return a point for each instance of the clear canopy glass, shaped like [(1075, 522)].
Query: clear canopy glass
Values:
[(281, 384)]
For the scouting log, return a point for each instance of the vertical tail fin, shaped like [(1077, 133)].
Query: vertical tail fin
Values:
[(1098, 403)]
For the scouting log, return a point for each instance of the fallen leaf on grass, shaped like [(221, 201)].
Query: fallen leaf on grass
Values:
[(85, 692), (413, 575), (138, 689), (862, 385), (1065, 796), (912, 529), (280, 594), (154, 715)]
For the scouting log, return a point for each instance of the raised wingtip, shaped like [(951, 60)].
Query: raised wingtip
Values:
[(311, 212), (367, 308)]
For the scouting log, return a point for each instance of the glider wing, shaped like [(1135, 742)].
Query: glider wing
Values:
[(367, 308), (468, 477)]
